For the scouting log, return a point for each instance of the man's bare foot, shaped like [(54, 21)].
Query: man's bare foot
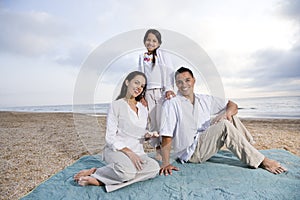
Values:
[(88, 180), (85, 172), (272, 166)]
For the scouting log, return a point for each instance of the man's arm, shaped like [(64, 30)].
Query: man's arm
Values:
[(231, 109), (166, 167), (166, 149)]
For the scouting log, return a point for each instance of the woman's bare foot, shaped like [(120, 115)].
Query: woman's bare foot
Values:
[(85, 172), (272, 166), (88, 180)]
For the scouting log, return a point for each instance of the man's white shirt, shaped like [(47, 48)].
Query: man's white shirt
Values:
[(184, 121)]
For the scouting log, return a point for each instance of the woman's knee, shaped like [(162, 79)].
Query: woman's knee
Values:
[(124, 173), (151, 166), (155, 165)]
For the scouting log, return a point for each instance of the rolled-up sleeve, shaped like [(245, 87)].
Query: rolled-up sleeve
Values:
[(169, 119), (218, 105)]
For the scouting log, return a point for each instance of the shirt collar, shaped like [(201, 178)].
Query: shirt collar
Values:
[(182, 98)]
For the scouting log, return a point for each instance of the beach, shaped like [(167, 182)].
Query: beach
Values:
[(35, 146)]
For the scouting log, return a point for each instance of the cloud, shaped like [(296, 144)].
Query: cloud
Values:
[(30, 33), (274, 70), (246, 39), (74, 55), (32, 84), (290, 9), (281, 64)]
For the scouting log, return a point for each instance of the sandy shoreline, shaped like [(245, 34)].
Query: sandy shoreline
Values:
[(35, 146)]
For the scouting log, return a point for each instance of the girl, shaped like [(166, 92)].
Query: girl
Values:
[(159, 71), (125, 132)]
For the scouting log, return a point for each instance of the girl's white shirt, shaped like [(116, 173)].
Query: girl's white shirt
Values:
[(153, 74), (163, 75), (126, 128)]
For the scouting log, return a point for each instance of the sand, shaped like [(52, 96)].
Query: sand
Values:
[(35, 146)]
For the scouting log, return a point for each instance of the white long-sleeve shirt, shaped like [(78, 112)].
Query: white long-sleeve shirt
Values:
[(125, 128), (162, 75)]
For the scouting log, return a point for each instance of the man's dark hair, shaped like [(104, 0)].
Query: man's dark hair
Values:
[(184, 69)]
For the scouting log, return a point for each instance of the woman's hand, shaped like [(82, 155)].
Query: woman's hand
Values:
[(135, 159), (153, 134)]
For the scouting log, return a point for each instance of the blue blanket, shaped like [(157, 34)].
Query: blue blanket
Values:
[(222, 177)]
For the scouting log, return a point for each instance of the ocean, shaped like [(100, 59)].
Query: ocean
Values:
[(269, 107), (262, 107)]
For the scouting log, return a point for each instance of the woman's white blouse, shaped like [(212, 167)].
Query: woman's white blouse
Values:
[(125, 128)]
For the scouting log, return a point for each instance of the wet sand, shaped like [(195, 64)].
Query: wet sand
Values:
[(35, 146)]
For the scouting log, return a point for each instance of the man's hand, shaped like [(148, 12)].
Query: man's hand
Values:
[(167, 170), (170, 94), (144, 102), (231, 109)]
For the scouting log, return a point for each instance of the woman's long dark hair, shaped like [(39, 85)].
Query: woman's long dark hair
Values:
[(158, 36), (124, 87)]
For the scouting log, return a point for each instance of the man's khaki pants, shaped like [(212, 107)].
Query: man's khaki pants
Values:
[(234, 136)]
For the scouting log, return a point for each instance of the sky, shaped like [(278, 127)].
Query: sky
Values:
[(254, 44)]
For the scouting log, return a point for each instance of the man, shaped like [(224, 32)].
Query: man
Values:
[(186, 124)]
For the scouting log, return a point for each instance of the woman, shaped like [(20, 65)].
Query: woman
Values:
[(125, 133)]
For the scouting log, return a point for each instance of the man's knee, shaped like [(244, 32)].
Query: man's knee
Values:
[(228, 124), (231, 130)]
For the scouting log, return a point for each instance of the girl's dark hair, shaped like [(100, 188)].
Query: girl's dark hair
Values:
[(157, 35), (129, 77)]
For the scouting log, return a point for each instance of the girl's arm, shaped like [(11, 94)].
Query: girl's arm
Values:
[(168, 70)]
